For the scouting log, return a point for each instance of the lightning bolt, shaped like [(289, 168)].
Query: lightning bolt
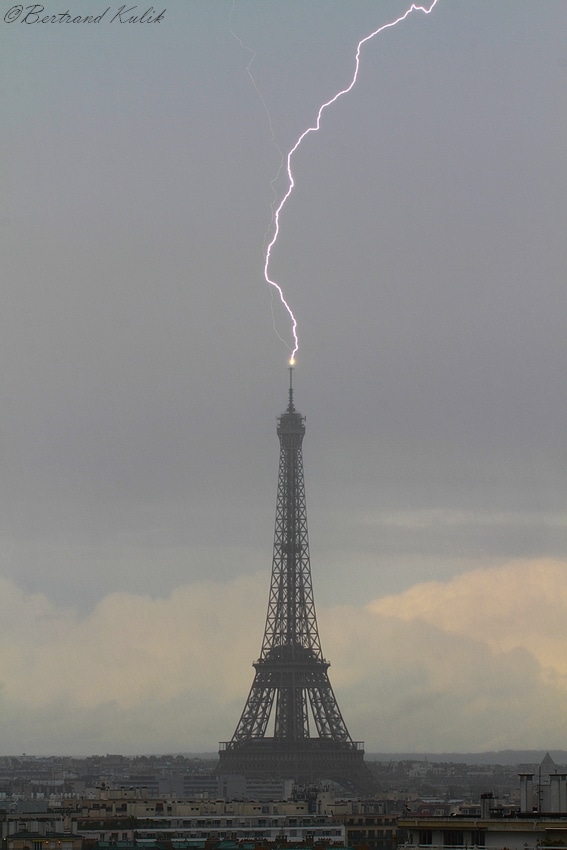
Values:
[(273, 181), (291, 181)]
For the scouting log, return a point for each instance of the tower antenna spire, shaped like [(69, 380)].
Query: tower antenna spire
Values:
[(290, 406)]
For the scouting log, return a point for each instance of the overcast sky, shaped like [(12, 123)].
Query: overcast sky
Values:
[(424, 254)]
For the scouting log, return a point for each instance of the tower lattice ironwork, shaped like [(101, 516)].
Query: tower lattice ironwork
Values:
[(291, 685)]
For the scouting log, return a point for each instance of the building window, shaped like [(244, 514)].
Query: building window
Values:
[(425, 837), (453, 838)]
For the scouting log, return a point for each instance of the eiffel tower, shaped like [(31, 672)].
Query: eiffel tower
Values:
[(291, 680)]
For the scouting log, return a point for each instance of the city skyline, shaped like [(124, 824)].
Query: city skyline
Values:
[(423, 253)]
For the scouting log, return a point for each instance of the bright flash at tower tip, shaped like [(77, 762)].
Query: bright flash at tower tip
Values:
[(415, 7)]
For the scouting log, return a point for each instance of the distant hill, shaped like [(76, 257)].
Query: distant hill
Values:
[(504, 757)]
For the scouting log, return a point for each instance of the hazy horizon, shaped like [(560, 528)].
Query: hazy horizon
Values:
[(501, 757)]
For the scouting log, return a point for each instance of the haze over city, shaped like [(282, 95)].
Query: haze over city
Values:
[(423, 252)]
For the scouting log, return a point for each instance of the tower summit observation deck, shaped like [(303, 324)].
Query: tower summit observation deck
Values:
[(291, 686)]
